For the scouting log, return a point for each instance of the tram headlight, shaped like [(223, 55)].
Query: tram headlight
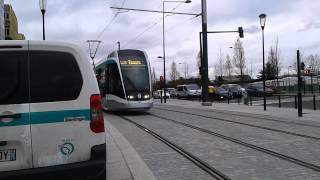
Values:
[(146, 96), (130, 97)]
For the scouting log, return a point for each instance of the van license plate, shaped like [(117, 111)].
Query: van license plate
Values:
[(8, 155)]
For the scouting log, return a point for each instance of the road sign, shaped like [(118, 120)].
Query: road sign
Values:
[(161, 78)]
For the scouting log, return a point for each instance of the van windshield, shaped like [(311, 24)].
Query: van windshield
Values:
[(192, 87)]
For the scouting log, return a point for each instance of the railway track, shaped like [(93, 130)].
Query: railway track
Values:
[(246, 124), (261, 149), (243, 115), (200, 163)]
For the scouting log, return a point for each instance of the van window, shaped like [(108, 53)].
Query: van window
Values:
[(54, 76), (179, 88), (13, 78)]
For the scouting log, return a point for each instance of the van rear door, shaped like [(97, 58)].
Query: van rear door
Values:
[(15, 138), (59, 108)]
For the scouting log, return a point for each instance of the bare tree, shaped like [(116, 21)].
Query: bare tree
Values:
[(219, 66), (153, 75), (313, 61), (239, 59), (174, 74), (199, 62), (274, 58), (228, 66)]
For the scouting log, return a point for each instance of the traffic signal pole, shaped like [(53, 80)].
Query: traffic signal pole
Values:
[(299, 85), (204, 60)]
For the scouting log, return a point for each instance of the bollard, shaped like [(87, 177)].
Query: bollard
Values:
[(314, 103), (250, 100), (238, 100), (295, 102), (228, 100), (279, 101)]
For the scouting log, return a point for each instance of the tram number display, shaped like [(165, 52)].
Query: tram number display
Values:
[(130, 62)]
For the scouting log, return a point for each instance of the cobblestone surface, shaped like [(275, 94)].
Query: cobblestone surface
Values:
[(162, 160), (260, 120), (298, 147), (237, 161)]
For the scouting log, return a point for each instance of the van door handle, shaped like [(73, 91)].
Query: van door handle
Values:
[(15, 116)]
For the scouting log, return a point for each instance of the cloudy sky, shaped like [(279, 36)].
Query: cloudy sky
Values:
[(296, 24)]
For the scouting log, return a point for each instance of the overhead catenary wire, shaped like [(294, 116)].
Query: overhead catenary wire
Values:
[(111, 21), (151, 26)]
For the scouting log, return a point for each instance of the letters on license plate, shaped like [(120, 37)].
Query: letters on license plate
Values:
[(7, 155)]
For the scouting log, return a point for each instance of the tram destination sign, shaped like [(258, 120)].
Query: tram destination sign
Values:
[(131, 62)]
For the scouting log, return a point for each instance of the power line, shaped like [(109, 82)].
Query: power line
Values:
[(150, 27), (111, 21)]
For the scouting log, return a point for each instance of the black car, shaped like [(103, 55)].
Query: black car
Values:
[(257, 90), (221, 94), (233, 89)]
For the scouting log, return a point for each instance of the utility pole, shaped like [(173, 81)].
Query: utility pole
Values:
[(118, 45), (299, 85), (204, 60)]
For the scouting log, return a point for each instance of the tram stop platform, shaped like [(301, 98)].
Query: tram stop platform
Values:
[(123, 162)]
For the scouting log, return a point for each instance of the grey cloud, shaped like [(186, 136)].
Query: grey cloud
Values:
[(251, 29), (310, 25)]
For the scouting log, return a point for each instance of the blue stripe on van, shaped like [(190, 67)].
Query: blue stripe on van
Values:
[(48, 117)]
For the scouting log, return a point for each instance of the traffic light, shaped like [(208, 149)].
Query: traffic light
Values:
[(302, 66), (240, 30)]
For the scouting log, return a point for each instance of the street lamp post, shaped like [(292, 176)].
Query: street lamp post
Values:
[(43, 6), (289, 67), (263, 23), (185, 70), (118, 45), (164, 43)]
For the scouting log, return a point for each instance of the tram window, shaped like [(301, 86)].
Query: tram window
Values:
[(101, 81), (114, 82)]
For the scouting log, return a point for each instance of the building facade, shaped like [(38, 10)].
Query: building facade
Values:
[(2, 36), (11, 24)]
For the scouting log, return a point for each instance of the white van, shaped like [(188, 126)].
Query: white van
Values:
[(51, 120), (188, 91)]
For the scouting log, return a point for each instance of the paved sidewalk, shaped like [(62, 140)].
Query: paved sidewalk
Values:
[(283, 113), (123, 162)]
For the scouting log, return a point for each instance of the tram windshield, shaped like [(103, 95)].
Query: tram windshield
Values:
[(135, 72)]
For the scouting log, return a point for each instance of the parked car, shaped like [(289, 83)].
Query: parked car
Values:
[(221, 94), (51, 118), (188, 91), (257, 90), (234, 89), (173, 92), (158, 93)]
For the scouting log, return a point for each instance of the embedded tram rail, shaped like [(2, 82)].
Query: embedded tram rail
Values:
[(200, 163), (252, 146), (251, 125), (231, 113)]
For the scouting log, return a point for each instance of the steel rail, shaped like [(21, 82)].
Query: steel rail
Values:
[(200, 163), (261, 149)]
